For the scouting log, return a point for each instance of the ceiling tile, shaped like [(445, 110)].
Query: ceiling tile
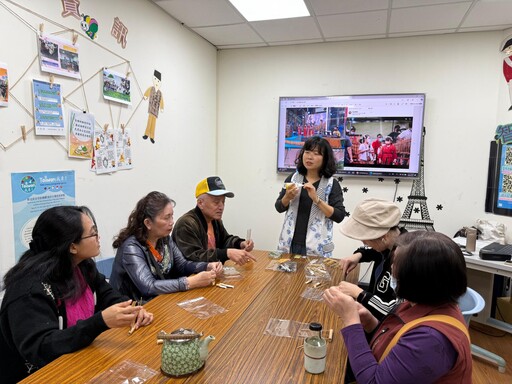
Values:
[(329, 7), (490, 13), (422, 33), (201, 13), (293, 42), (349, 38), (360, 24), (235, 46), (229, 34), (415, 3), (298, 28), (431, 18)]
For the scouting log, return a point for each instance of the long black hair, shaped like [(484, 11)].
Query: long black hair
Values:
[(49, 256), (318, 143), (147, 207)]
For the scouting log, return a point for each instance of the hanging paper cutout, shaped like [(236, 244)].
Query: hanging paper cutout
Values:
[(155, 105), (506, 48), (119, 31), (90, 26), (70, 8)]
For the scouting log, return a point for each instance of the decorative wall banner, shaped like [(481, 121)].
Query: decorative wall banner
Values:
[(81, 128), (58, 56), (33, 193), (48, 113)]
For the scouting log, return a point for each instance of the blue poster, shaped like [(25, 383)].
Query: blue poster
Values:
[(48, 113), (33, 193)]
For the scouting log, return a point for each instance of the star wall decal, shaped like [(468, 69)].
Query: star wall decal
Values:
[(340, 179), (381, 179), (416, 210), (397, 181), (399, 199), (347, 213), (345, 189), (365, 190), (439, 207)]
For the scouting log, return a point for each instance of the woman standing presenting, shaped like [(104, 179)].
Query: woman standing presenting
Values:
[(313, 200), (148, 262)]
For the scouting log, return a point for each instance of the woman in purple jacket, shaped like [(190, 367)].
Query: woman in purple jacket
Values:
[(430, 275)]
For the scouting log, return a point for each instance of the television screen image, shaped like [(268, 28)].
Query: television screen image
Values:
[(499, 180), (371, 135)]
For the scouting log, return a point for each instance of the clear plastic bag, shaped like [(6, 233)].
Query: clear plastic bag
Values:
[(201, 307), (287, 328), (316, 270), (275, 254), (312, 293), (282, 266), (231, 273), (126, 372)]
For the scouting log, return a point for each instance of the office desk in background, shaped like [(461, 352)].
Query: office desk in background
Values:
[(481, 279), (241, 353)]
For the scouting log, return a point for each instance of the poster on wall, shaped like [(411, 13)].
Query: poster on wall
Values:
[(104, 159), (48, 113), (116, 87), (58, 56), (123, 145), (4, 86), (33, 193), (81, 128)]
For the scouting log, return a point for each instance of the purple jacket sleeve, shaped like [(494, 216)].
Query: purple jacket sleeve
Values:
[(422, 355)]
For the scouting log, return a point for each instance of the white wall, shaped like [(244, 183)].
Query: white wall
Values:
[(465, 92), (185, 148), (237, 92)]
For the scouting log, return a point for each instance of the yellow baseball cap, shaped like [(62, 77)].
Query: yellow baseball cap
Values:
[(214, 186)]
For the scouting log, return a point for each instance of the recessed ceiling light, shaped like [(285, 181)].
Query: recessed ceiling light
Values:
[(255, 10)]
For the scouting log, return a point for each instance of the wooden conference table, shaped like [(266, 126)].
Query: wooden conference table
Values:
[(240, 353)]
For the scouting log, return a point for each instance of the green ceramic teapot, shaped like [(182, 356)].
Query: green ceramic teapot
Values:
[(183, 352)]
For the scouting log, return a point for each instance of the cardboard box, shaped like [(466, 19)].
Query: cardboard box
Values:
[(504, 309)]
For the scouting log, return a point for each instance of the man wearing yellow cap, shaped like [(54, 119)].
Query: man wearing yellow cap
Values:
[(200, 233)]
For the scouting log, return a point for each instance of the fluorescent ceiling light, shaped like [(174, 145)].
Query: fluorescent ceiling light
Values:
[(255, 10)]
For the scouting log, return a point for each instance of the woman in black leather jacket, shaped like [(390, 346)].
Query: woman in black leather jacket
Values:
[(148, 262)]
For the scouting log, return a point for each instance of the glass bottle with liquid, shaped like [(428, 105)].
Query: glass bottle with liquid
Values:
[(315, 350)]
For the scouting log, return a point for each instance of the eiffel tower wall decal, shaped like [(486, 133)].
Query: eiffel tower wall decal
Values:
[(417, 201)]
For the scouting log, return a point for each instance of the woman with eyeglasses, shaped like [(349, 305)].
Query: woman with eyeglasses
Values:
[(148, 262), (375, 223), (56, 301)]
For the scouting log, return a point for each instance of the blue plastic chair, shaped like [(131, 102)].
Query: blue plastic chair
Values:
[(470, 304), (105, 266)]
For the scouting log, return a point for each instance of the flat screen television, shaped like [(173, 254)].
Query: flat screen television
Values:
[(498, 199), (371, 135)]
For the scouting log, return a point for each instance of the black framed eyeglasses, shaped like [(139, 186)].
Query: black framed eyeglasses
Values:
[(86, 237)]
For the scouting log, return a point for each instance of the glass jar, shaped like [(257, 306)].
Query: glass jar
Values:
[(315, 350)]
